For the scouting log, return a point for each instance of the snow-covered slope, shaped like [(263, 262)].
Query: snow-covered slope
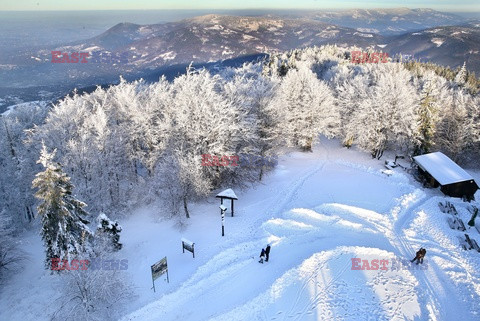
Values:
[(318, 211)]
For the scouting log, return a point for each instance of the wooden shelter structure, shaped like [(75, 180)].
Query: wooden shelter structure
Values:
[(228, 194), (439, 170)]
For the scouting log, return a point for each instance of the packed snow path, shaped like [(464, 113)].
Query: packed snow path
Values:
[(319, 211)]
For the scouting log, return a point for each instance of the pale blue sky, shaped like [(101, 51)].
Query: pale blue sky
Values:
[(441, 5)]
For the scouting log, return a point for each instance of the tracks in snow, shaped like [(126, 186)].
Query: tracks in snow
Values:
[(406, 250)]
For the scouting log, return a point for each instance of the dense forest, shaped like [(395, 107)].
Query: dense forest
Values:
[(137, 142)]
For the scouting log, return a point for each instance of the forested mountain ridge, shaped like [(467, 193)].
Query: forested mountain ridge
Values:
[(394, 21), (134, 50)]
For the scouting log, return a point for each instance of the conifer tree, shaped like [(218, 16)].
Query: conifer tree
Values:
[(427, 115), (64, 228), (108, 232), (461, 76)]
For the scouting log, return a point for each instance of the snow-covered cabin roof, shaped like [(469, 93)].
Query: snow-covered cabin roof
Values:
[(442, 168), (228, 193)]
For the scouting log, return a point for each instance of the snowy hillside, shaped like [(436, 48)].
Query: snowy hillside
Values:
[(318, 211)]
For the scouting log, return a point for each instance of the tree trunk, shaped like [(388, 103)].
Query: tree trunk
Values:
[(9, 138), (377, 153), (29, 213), (185, 206)]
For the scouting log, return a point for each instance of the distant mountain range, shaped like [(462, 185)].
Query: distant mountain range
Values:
[(388, 21), (445, 45), (214, 37), (137, 51)]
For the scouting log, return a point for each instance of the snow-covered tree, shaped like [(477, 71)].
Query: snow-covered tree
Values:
[(150, 127), (251, 93), (64, 227), (306, 109), (456, 128), (388, 117), (474, 112), (17, 161), (428, 111), (204, 122), (93, 295), (91, 135), (108, 233), (461, 77), (10, 254), (351, 88)]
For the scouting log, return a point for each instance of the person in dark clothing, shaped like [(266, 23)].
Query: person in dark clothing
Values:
[(267, 252), (419, 256), (262, 256), (423, 255)]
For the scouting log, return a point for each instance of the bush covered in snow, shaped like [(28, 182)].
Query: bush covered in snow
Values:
[(108, 233)]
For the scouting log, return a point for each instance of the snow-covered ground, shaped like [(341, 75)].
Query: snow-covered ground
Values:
[(318, 211)]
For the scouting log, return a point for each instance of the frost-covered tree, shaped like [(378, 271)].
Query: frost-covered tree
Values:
[(474, 114), (108, 233), (251, 93), (64, 227), (461, 77), (204, 123), (150, 126), (10, 254), (388, 117), (17, 161), (351, 88), (306, 109), (91, 135), (456, 128), (428, 111), (93, 295)]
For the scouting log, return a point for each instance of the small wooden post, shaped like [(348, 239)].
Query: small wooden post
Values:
[(168, 280), (153, 281)]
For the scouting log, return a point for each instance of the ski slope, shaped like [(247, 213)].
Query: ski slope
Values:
[(319, 211)]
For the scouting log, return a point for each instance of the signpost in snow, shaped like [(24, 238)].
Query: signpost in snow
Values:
[(189, 246), (222, 213), (158, 269)]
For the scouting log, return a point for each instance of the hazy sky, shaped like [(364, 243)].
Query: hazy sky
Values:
[(459, 5)]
